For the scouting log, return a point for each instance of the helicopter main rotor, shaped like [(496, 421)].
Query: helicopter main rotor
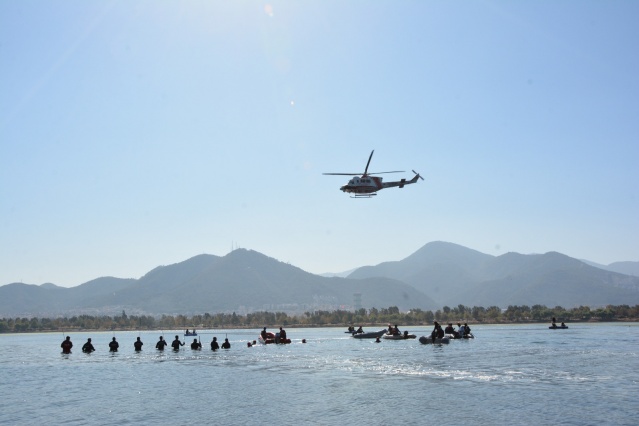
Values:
[(365, 170)]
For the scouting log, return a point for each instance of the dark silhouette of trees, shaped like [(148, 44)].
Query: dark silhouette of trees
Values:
[(371, 317)]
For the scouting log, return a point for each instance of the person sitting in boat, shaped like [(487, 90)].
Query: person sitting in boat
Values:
[(359, 330), (113, 345), (351, 329), (449, 329), (263, 333), (176, 344), (282, 334), (66, 345), (438, 332), (396, 330), (466, 329), (196, 346), (226, 344), (88, 347), (405, 334), (214, 345), (137, 345), (461, 330), (563, 325), (554, 323)]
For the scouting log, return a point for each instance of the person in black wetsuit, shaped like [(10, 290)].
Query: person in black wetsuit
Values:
[(466, 329), (66, 345), (87, 348), (282, 334), (113, 345), (263, 334), (196, 346), (449, 329), (214, 345), (438, 332), (176, 344), (138, 345), (226, 344), (161, 344)]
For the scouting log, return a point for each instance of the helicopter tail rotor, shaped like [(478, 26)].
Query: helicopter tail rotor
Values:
[(418, 175)]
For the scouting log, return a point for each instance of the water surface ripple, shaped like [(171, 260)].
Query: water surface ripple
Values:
[(509, 374)]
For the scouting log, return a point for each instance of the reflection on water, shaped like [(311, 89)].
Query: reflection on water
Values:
[(527, 374)]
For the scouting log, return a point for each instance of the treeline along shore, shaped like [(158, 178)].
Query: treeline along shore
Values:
[(363, 317)]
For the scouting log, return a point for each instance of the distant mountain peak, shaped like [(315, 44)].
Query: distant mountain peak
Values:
[(50, 286)]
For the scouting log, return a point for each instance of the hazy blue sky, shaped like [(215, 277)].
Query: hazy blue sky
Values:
[(141, 133)]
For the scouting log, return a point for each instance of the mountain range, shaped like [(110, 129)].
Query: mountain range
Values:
[(244, 281), (452, 275)]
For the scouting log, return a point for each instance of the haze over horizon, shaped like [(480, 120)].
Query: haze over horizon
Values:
[(138, 134)]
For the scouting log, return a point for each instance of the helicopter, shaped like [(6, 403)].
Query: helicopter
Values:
[(366, 185)]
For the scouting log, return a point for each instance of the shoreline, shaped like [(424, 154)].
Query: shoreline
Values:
[(294, 326)]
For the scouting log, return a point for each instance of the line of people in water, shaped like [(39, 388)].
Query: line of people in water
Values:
[(88, 347)]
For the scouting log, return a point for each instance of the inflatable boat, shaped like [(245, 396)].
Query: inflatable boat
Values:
[(466, 336), (272, 338), (398, 336), (370, 335), (427, 340)]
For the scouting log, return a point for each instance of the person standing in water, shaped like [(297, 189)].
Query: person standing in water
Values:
[(138, 345), (214, 345), (87, 348), (66, 345), (226, 344), (161, 344), (113, 345), (176, 344), (196, 346)]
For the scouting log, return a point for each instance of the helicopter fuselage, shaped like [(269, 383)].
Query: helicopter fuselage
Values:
[(370, 184), (363, 185)]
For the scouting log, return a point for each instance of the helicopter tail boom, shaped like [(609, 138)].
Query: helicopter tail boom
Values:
[(403, 182)]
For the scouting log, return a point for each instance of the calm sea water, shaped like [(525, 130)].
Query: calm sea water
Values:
[(514, 374)]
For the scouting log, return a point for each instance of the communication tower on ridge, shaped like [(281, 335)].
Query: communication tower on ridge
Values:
[(357, 301)]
